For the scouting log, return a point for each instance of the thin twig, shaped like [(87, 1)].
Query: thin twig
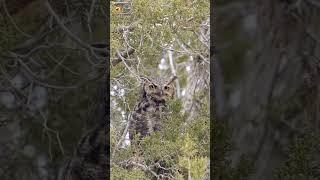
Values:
[(124, 62), (36, 79), (173, 71), (123, 54), (64, 28), (122, 137), (45, 125), (12, 21), (71, 35)]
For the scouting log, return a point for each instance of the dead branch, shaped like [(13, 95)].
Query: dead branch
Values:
[(121, 29), (76, 39), (141, 166), (121, 55), (12, 21), (173, 70)]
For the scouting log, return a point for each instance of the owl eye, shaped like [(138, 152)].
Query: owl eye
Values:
[(166, 87), (151, 86)]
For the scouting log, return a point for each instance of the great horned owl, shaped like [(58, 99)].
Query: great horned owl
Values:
[(146, 117)]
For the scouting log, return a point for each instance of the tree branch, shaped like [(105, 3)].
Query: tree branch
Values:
[(122, 55)]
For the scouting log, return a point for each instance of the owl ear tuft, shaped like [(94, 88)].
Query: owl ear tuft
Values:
[(144, 79), (171, 80)]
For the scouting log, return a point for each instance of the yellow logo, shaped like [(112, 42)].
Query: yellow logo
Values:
[(118, 9), (123, 8)]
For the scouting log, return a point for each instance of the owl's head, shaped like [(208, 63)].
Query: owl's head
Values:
[(159, 89)]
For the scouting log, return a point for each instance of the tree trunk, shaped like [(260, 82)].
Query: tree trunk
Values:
[(282, 68)]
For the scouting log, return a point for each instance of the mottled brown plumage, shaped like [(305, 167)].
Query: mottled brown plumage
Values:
[(90, 161), (147, 115)]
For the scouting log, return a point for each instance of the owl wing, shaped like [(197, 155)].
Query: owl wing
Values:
[(162, 114), (138, 123)]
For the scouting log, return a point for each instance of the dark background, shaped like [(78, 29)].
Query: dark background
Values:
[(266, 74), (53, 85), (265, 82)]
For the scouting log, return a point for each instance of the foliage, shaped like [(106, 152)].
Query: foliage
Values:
[(174, 146), (302, 158), (189, 160), (156, 24), (152, 29), (134, 174), (39, 51), (222, 147)]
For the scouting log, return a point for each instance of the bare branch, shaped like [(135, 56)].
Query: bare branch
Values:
[(121, 55), (12, 21), (173, 70), (36, 79), (68, 32), (71, 35), (142, 166), (122, 137), (90, 15)]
